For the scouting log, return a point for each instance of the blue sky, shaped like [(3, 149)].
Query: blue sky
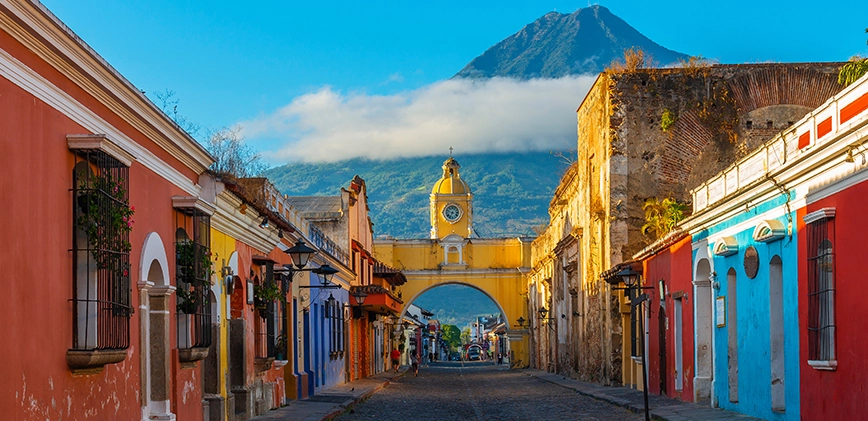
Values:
[(235, 62)]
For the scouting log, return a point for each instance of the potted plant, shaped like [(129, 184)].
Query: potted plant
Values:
[(264, 294), (280, 348), (193, 274), (106, 218)]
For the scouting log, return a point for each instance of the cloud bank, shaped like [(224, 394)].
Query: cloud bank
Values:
[(495, 115)]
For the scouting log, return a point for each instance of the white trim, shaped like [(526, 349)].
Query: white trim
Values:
[(818, 215), (153, 249), (769, 230), (725, 246), (192, 202), (53, 42), (773, 213), (839, 184), (242, 227), (830, 365), (32, 82), (100, 142)]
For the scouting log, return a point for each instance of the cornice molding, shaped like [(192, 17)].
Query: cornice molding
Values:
[(726, 246), (769, 230), (30, 81), (825, 213), (242, 227), (193, 202), (51, 40), (100, 142)]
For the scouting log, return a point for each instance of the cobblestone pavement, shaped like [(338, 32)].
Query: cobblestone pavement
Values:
[(480, 391)]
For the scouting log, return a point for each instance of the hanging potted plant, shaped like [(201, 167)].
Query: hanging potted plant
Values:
[(264, 294)]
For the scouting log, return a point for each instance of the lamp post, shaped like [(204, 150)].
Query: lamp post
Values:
[(300, 255), (631, 280)]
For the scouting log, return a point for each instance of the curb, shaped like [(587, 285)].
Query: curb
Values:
[(623, 403), (351, 403)]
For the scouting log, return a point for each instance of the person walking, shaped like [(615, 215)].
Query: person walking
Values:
[(395, 355), (414, 362)]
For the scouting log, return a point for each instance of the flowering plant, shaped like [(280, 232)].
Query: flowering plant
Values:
[(106, 218), (194, 275)]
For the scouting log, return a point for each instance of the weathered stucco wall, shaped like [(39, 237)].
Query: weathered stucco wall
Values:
[(624, 157)]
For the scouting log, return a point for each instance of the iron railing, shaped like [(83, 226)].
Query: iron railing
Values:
[(102, 220), (193, 271)]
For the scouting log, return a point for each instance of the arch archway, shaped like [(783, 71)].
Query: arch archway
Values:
[(154, 291), (511, 344), (703, 279), (467, 284)]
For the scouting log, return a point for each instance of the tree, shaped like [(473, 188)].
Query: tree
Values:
[(661, 216), (452, 335), (465, 336), (169, 104), (855, 68), (232, 157)]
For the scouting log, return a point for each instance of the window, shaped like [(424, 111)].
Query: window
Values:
[(102, 221), (269, 316), (635, 325), (193, 271), (821, 288), (334, 313)]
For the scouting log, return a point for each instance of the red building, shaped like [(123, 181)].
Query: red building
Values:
[(667, 268), (833, 317), (92, 174)]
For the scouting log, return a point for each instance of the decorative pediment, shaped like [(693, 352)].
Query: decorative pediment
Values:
[(726, 246), (452, 239), (769, 230)]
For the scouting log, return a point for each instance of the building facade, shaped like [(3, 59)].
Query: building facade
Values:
[(454, 255)]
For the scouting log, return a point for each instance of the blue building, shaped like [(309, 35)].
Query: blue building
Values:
[(745, 259)]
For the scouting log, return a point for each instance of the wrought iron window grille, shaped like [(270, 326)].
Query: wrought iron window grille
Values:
[(101, 224)]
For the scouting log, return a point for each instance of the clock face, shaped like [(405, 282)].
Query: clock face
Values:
[(451, 212)]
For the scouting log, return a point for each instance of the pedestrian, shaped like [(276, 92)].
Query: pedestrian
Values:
[(396, 359), (414, 361), (499, 358)]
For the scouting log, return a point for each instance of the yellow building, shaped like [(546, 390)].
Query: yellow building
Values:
[(452, 255)]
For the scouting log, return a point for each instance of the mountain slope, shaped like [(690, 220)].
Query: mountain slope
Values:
[(511, 191), (557, 44)]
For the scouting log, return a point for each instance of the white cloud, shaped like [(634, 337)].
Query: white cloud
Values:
[(495, 115), (394, 78)]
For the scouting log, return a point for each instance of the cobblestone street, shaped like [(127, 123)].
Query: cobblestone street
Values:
[(480, 391)]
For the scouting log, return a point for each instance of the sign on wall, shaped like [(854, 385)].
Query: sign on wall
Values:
[(720, 311)]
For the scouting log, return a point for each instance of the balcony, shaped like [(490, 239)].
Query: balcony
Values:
[(379, 299)]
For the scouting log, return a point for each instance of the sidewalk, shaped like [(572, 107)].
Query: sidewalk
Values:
[(661, 407), (331, 402)]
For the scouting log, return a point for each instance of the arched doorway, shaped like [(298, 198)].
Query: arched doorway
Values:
[(704, 328), (154, 292)]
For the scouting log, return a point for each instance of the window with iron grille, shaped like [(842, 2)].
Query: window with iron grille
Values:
[(193, 271), (821, 286), (102, 221), (270, 317), (334, 313)]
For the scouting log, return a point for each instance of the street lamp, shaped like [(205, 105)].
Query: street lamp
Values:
[(542, 314), (300, 255), (359, 296), (631, 278)]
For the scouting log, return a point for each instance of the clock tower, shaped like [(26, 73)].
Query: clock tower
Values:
[(451, 204)]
